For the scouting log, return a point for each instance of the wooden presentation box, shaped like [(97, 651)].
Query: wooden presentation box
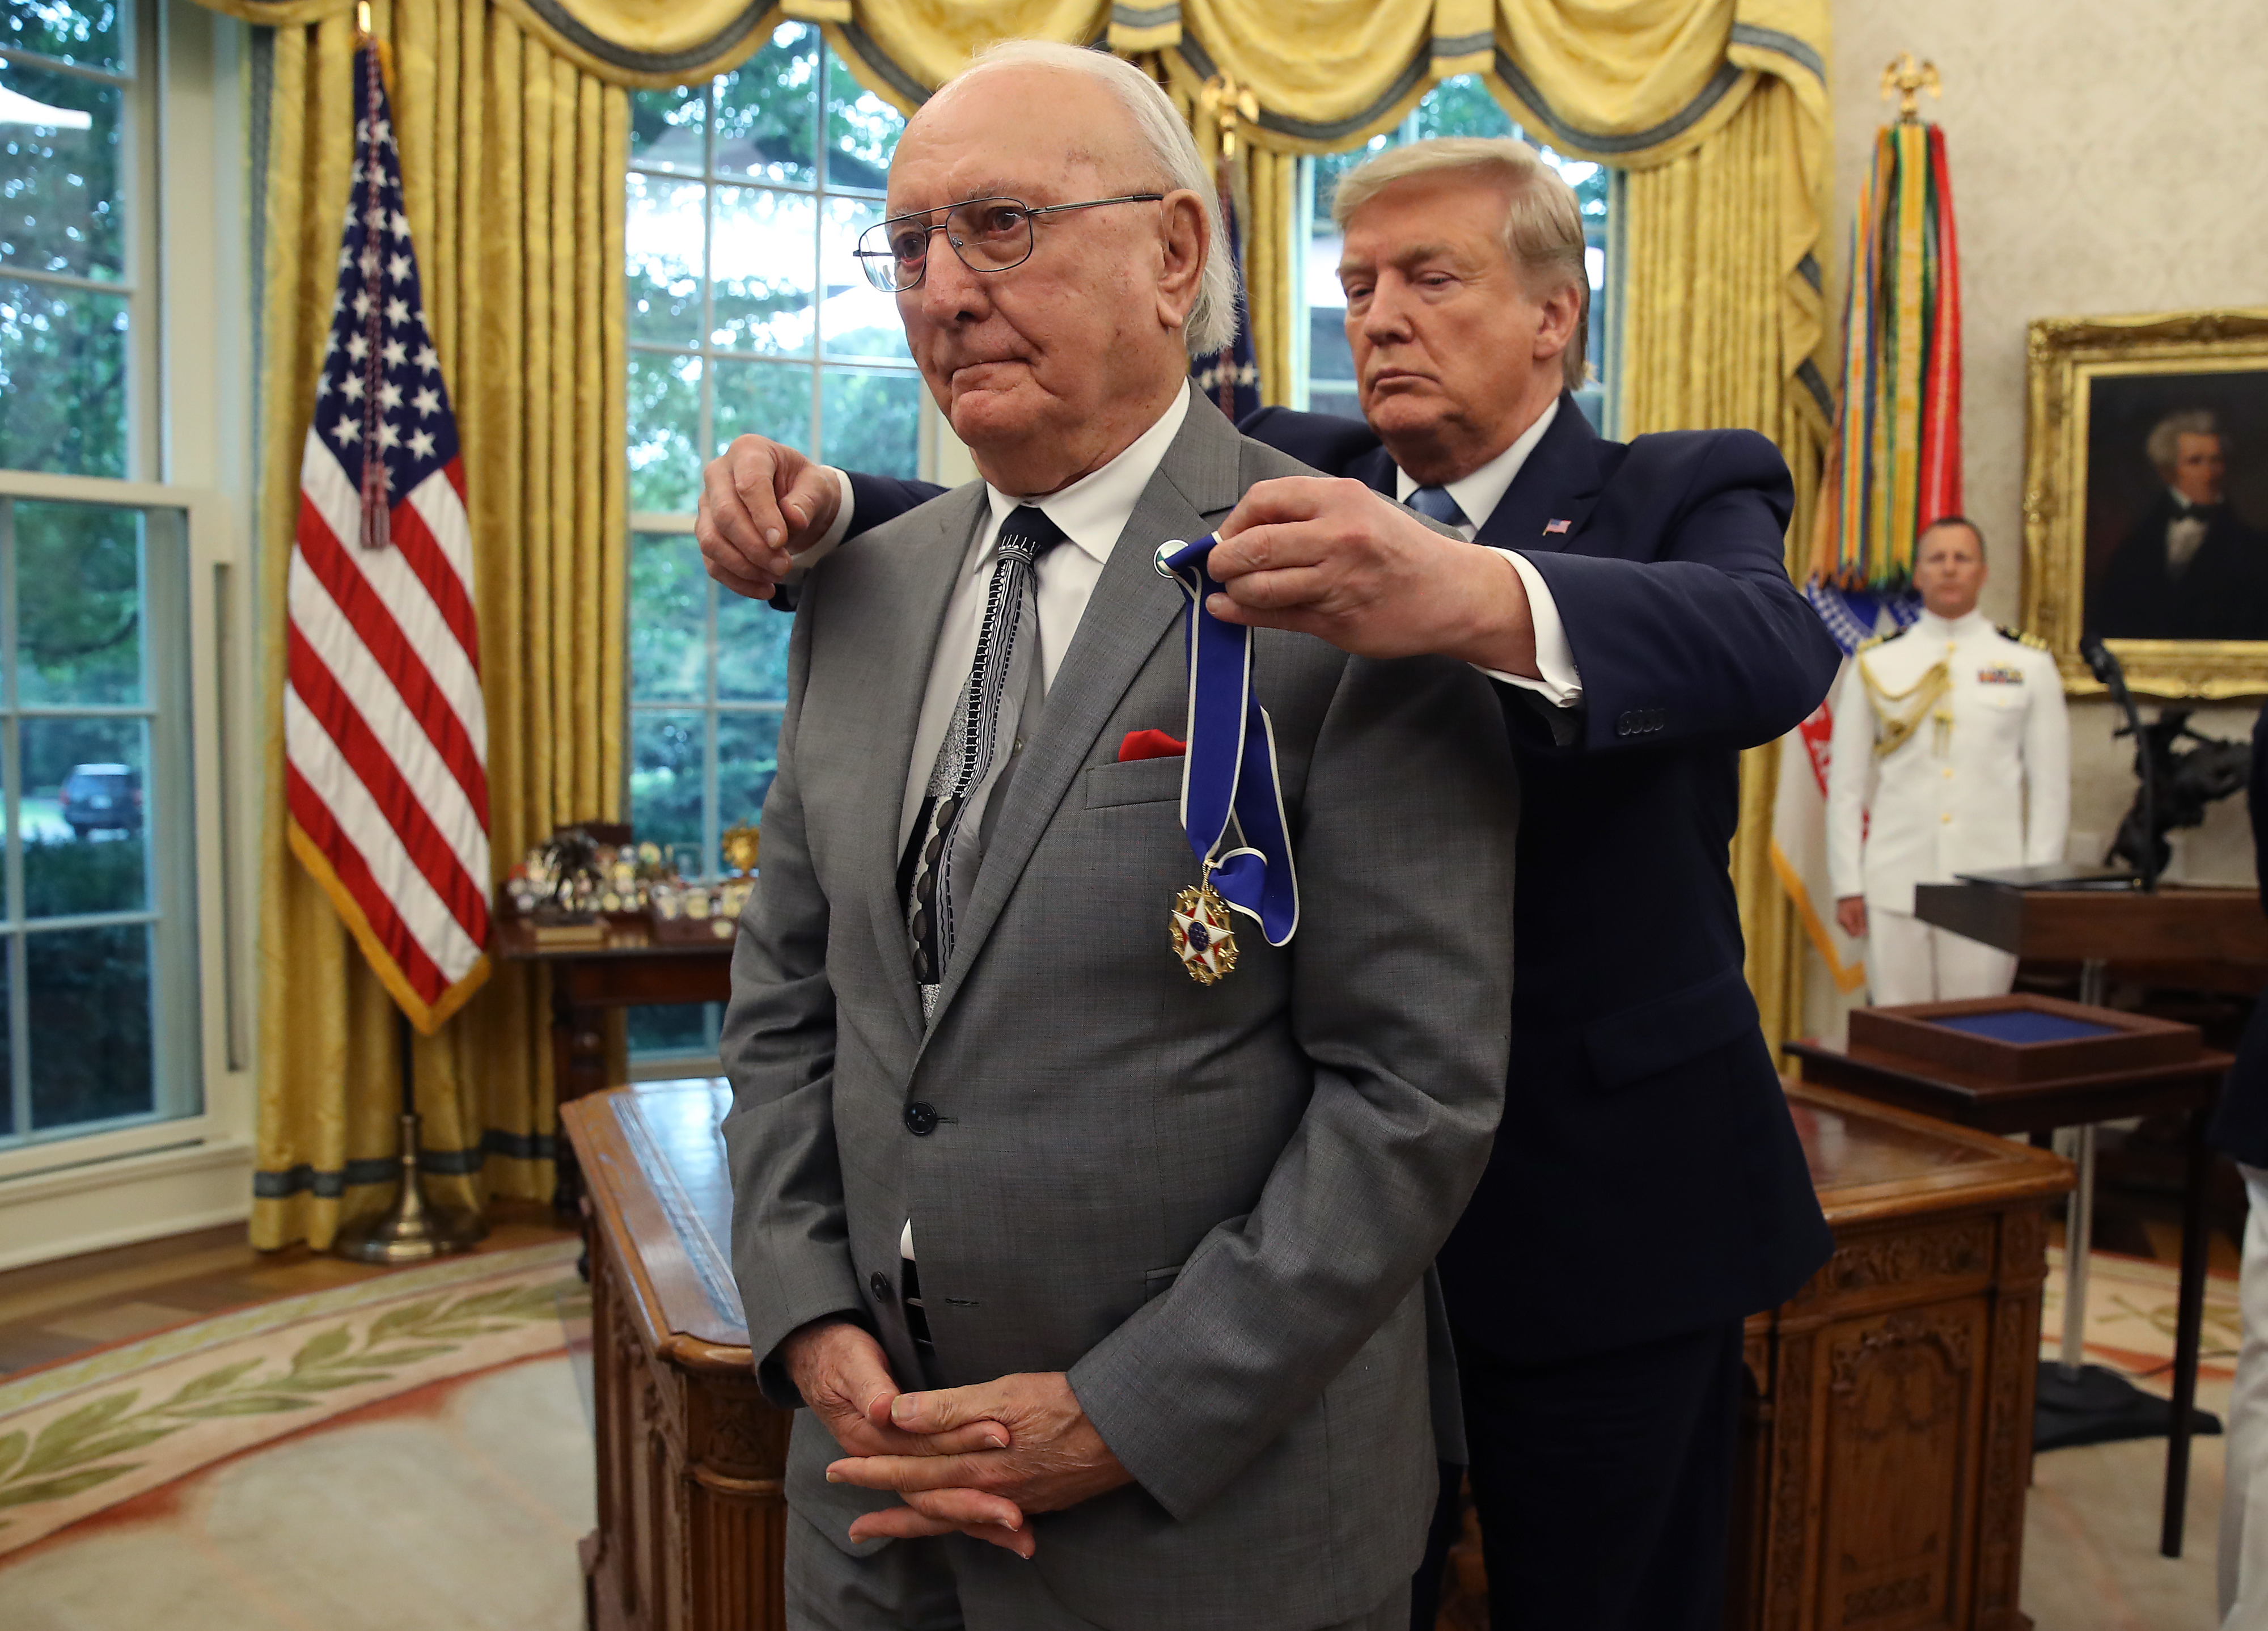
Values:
[(2023, 1037)]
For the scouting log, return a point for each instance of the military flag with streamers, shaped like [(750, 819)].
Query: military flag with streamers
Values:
[(1894, 465), (385, 737)]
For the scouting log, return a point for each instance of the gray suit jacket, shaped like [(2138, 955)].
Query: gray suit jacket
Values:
[(1212, 1207)]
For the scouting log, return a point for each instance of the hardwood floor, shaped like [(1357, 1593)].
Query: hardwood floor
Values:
[(51, 1311)]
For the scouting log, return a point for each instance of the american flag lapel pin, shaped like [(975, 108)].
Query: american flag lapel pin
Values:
[(1551, 526)]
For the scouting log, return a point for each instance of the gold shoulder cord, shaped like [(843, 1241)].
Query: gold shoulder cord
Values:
[(1895, 724)]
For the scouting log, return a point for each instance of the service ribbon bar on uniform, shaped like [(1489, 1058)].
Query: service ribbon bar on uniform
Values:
[(1228, 770)]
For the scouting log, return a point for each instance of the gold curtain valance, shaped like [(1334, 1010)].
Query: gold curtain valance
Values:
[(1633, 83)]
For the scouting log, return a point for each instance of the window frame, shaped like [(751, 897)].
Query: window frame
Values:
[(191, 449)]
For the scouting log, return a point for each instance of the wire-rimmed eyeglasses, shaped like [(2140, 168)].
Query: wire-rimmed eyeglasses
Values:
[(988, 234)]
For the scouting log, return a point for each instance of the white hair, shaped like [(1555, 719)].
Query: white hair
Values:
[(1543, 221), (1211, 321), (2165, 443)]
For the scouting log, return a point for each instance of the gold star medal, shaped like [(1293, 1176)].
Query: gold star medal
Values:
[(1203, 938)]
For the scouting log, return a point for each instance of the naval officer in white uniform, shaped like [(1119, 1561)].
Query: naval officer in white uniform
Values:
[(1951, 754)]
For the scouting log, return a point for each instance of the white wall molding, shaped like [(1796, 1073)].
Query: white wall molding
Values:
[(99, 1204)]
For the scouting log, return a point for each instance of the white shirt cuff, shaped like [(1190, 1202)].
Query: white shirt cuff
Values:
[(806, 559), (1559, 684)]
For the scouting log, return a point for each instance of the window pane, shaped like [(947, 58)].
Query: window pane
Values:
[(90, 1033), (87, 31), (663, 231), (83, 816), (760, 265), (873, 420), (79, 604), (665, 768), (661, 1028), (1460, 107), (862, 132), (62, 380), (665, 127), (771, 399), (859, 320), (665, 418), (767, 110), (748, 757), (59, 147), (669, 619), (751, 650)]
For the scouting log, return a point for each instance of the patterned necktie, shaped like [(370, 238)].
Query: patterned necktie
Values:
[(939, 868), (1436, 503)]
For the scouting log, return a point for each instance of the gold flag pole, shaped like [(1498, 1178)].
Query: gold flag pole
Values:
[(1907, 79)]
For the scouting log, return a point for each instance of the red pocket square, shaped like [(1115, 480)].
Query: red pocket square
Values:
[(1149, 745)]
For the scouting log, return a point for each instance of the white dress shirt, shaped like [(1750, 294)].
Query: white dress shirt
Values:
[(2183, 536), (1478, 495)]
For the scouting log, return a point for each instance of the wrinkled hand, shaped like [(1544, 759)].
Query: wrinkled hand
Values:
[(845, 1377), (1850, 912), (1334, 559), (1055, 1459), (761, 503)]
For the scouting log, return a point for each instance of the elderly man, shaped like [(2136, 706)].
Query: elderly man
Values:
[(1634, 614), (2191, 570), (1117, 1271)]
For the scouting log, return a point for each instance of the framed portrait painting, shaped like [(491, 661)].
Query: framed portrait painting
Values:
[(2145, 498)]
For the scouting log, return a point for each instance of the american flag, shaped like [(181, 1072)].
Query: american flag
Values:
[(386, 739)]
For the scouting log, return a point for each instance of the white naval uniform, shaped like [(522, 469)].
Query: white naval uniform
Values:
[(1983, 780)]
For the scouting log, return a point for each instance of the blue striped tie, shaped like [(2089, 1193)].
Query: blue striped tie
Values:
[(1435, 502)]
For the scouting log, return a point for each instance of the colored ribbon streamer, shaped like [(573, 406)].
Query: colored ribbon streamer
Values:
[(1229, 770)]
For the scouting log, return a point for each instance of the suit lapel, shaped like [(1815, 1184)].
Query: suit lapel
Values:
[(916, 583), (1131, 610), (1376, 470), (1559, 482)]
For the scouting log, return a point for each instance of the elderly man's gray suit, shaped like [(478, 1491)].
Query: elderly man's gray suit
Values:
[(1213, 1207)]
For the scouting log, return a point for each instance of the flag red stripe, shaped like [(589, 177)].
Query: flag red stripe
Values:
[(315, 818), (342, 722), (424, 554), (367, 615)]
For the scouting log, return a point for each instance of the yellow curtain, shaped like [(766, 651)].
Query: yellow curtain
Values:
[(1722, 322), (511, 158)]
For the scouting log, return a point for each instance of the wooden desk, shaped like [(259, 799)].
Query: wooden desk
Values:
[(1991, 1106), (629, 968), (692, 1519), (1887, 1445)]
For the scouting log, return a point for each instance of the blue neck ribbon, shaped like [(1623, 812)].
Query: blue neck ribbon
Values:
[(1229, 769)]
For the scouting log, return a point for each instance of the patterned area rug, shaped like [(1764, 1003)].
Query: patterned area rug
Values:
[(363, 1456), (2130, 1317)]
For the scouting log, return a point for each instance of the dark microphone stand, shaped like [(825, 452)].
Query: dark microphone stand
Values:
[(2113, 678)]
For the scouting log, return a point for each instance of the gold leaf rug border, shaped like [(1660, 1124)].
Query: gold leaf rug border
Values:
[(80, 1437)]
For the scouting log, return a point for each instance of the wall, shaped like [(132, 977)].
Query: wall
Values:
[(2104, 157)]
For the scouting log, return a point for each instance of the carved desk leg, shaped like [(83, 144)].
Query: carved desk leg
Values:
[(736, 1505)]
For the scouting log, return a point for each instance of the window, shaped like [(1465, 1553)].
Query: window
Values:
[(1459, 107), (128, 734), (76, 253), (747, 312), (97, 913)]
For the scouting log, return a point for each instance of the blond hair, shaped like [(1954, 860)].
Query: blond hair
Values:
[(1211, 321), (1543, 223)]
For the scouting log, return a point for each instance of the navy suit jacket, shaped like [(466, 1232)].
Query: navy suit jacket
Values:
[(1648, 1180)]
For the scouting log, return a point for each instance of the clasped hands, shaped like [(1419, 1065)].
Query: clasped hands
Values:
[(979, 1460), (1318, 556)]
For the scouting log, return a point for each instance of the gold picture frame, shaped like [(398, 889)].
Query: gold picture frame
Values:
[(2089, 376)]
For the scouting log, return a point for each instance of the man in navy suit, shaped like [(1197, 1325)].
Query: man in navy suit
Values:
[(1649, 1190)]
